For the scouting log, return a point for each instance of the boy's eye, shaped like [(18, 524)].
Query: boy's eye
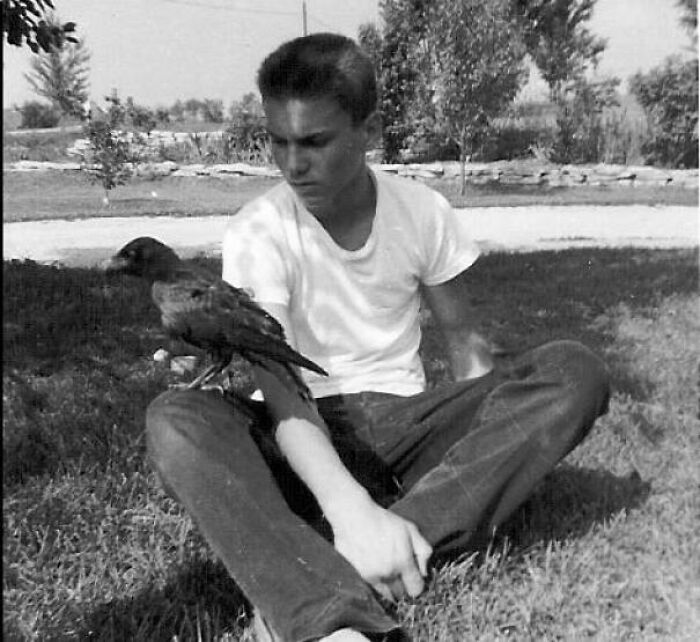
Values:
[(315, 141), (311, 141)]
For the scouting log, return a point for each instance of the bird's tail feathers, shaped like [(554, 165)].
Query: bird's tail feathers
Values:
[(304, 362), (280, 350)]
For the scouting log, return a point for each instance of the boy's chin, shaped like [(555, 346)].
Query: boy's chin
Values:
[(315, 205)]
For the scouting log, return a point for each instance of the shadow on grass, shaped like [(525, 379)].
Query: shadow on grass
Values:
[(200, 602), (523, 300), (57, 319), (204, 600), (568, 502), (76, 323)]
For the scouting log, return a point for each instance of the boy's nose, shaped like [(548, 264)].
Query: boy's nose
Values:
[(297, 161)]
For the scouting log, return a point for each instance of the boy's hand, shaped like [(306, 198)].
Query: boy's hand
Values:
[(387, 550)]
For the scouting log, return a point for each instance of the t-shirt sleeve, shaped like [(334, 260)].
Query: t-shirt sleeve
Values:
[(448, 246), (253, 257)]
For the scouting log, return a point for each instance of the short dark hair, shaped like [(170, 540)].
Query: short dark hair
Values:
[(322, 64)]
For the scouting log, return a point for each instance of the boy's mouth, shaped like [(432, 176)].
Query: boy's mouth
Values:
[(306, 189)]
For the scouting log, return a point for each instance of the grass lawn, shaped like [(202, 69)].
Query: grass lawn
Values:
[(49, 195), (606, 548)]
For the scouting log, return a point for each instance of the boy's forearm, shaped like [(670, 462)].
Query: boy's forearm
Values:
[(470, 354), (383, 547), (303, 439), (314, 459)]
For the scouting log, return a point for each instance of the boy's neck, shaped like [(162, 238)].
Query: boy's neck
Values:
[(351, 222)]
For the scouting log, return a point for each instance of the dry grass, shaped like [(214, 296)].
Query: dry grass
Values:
[(29, 196)]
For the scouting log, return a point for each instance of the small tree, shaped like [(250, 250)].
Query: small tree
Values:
[(477, 58), (109, 158), (61, 74)]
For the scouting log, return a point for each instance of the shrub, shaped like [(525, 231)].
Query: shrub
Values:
[(669, 96), (510, 138), (213, 110), (38, 146), (141, 118), (580, 136), (37, 115), (622, 138)]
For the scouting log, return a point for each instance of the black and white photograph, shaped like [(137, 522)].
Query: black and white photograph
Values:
[(344, 322)]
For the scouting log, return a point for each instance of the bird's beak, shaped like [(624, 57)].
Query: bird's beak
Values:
[(113, 264)]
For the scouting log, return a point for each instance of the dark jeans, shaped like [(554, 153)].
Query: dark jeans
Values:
[(455, 460)]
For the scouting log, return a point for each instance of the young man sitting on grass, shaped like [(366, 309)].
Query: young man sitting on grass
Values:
[(318, 511)]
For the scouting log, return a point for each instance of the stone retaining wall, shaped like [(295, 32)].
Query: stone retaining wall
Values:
[(504, 172)]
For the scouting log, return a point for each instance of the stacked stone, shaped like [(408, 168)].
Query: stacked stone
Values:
[(501, 172)]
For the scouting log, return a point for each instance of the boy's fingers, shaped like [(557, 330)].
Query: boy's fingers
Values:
[(383, 590), (421, 550), (412, 581)]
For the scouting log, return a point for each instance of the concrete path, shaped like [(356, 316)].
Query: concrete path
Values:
[(86, 242)]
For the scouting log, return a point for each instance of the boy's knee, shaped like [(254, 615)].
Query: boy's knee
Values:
[(584, 373), (165, 427), (178, 420)]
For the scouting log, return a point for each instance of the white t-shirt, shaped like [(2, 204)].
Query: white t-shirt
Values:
[(355, 313)]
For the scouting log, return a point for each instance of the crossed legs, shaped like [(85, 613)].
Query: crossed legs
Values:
[(456, 460)]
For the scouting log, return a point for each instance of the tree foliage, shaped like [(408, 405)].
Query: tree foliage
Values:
[(447, 68), (476, 58), (401, 79), (370, 39), (36, 115), (210, 110), (109, 158), (558, 40), (213, 110), (61, 74), (580, 136), (24, 22), (140, 117), (689, 17), (669, 95)]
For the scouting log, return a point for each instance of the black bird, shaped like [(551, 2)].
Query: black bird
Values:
[(205, 311)]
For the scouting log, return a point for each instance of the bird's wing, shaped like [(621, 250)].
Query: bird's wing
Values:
[(222, 319)]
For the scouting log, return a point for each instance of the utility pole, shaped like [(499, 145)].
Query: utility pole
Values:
[(303, 17)]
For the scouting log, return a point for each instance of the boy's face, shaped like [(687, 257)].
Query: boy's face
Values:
[(320, 152)]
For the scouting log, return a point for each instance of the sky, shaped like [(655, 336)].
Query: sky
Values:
[(159, 51)]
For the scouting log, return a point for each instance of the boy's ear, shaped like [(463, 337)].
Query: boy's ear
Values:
[(373, 129)]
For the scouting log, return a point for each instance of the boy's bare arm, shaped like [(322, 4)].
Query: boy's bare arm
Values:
[(385, 549), (469, 352)]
